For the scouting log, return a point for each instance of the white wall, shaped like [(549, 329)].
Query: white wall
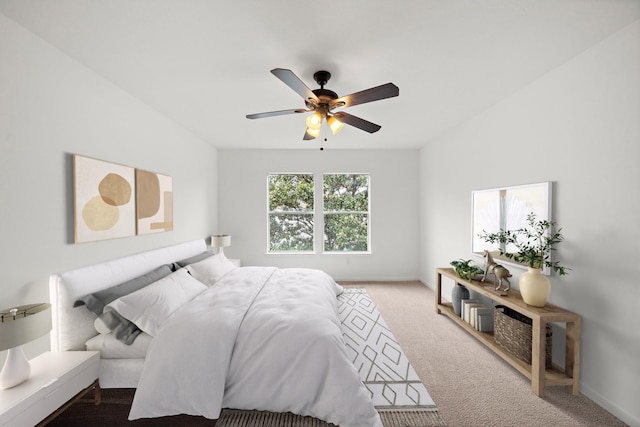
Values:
[(578, 126), (52, 107), (394, 209)]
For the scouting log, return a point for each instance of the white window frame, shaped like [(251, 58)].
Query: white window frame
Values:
[(279, 212), (367, 213), (318, 215)]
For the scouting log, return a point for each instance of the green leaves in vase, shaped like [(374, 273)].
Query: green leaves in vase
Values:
[(534, 242)]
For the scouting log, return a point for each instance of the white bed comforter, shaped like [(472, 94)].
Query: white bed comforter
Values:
[(261, 338)]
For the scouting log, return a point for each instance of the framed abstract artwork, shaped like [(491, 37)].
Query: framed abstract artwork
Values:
[(154, 200), (104, 200), (506, 208)]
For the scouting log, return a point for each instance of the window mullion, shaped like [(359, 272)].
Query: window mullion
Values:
[(318, 218)]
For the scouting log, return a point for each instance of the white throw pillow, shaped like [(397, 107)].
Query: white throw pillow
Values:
[(211, 269), (101, 327), (110, 348), (150, 306)]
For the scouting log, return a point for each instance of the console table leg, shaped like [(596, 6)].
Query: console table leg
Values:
[(538, 356), (438, 292), (572, 355)]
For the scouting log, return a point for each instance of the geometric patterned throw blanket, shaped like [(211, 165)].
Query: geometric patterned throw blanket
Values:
[(383, 366)]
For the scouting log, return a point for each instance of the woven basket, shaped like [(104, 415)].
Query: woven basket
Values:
[(513, 331)]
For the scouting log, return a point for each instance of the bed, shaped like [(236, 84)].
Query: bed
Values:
[(208, 335)]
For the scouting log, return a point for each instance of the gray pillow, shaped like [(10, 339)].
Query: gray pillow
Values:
[(96, 301), (191, 260), (122, 329)]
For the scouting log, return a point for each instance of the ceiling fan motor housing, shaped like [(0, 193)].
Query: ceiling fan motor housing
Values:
[(321, 77), (325, 97)]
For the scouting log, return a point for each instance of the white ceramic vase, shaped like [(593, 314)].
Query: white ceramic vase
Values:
[(534, 287), (16, 368)]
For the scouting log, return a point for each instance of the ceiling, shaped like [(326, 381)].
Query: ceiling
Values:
[(205, 63)]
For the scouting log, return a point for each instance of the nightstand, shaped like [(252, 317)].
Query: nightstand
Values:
[(57, 380)]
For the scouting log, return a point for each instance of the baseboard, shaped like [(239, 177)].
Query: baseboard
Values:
[(377, 279), (614, 409)]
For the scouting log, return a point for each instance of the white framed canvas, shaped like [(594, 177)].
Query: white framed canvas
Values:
[(506, 208), (104, 202)]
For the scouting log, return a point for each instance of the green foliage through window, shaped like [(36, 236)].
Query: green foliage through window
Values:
[(346, 212), (290, 212), (346, 232), (290, 232)]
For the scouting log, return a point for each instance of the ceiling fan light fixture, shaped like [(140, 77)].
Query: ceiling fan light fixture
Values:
[(314, 121), (314, 132), (334, 124)]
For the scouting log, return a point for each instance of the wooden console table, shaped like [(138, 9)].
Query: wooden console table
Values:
[(570, 377)]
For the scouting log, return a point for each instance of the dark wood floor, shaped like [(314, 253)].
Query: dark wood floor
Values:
[(114, 411)]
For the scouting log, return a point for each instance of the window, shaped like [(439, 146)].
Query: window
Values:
[(291, 212), (341, 220), (346, 212)]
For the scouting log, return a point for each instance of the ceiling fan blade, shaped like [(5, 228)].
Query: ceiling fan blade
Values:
[(384, 91), (354, 121), (276, 113), (307, 136), (294, 82)]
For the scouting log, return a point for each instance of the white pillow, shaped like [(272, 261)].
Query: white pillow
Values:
[(101, 327), (150, 306), (111, 348), (211, 269)]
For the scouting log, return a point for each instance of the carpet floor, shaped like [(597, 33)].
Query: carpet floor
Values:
[(469, 383)]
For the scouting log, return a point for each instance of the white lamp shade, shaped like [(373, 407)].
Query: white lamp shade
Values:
[(334, 124), (313, 132), (314, 121), (220, 240), (31, 322)]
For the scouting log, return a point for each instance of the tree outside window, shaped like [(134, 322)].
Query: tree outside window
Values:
[(346, 212), (291, 212)]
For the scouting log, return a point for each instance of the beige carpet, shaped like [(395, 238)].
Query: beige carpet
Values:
[(469, 384)]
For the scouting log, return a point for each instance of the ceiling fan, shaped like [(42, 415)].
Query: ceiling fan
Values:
[(322, 103)]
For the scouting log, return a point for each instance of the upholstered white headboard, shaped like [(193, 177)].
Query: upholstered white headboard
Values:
[(72, 327)]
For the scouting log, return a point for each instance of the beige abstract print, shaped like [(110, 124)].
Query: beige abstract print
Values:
[(103, 200), (154, 202)]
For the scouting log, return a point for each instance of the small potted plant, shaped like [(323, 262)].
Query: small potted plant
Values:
[(534, 243), (465, 270)]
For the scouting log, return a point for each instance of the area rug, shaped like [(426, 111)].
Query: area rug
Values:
[(383, 366), (236, 418)]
